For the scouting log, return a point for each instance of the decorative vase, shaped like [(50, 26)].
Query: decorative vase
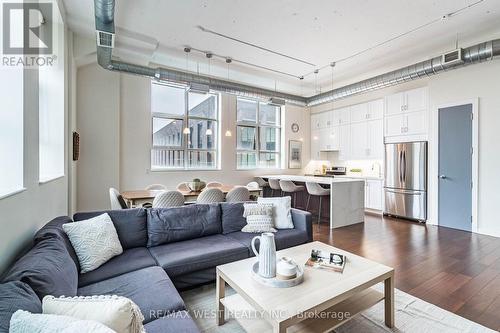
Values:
[(266, 254)]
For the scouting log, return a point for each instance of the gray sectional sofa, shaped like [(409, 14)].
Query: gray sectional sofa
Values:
[(165, 250)]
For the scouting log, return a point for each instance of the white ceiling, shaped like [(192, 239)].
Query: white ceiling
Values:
[(317, 31)]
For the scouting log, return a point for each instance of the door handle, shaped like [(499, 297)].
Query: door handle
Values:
[(443, 177)]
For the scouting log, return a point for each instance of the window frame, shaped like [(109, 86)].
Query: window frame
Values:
[(258, 126), (186, 138)]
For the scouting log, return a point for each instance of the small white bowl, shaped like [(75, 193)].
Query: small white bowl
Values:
[(286, 268)]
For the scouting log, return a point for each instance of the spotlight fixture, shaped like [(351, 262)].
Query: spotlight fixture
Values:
[(229, 60), (187, 49), (208, 55)]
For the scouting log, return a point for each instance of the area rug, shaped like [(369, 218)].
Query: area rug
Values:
[(412, 315)]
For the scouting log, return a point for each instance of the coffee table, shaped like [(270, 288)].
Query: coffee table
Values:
[(322, 302)]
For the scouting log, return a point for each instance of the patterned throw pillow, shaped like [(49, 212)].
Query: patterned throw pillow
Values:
[(116, 312), (259, 223), (257, 209), (95, 241), (24, 321)]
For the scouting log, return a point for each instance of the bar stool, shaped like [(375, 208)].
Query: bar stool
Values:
[(288, 186), (274, 184), (316, 190), (262, 184)]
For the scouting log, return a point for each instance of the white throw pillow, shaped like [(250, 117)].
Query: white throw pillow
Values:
[(259, 223), (282, 215), (257, 209), (116, 312), (26, 322), (95, 241)]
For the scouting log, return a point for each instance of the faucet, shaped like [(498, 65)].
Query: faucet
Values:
[(377, 164)]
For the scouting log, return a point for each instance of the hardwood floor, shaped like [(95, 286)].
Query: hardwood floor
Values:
[(455, 270)]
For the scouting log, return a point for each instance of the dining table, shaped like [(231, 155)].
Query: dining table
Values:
[(136, 198)]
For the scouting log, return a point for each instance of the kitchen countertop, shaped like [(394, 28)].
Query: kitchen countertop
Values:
[(319, 180), (347, 176)]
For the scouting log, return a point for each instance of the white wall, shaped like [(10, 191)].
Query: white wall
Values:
[(22, 214), (476, 81), (114, 121)]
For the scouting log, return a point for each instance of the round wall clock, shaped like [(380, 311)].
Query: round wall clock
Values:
[(295, 127)]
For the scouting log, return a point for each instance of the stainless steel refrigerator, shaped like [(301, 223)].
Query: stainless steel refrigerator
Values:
[(405, 188)]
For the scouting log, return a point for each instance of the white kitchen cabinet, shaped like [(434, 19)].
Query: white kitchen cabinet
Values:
[(315, 152), (359, 112), (416, 100), (373, 194), (329, 139), (407, 101), (315, 121), (375, 140), (344, 142), (413, 123), (416, 123), (375, 109), (359, 140), (343, 116), (394, 104)]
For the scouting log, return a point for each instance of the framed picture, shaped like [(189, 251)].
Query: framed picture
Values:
[(294, 154)]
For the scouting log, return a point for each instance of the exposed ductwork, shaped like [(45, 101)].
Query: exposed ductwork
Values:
[(471, 55), (105, 29)]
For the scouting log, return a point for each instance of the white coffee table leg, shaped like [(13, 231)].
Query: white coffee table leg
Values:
[(389, 301), (220, 292)]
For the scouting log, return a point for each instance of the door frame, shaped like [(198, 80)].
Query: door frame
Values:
[(475, 159)]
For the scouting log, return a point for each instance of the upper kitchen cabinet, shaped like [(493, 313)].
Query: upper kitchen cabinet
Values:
[(359, 112), (341, 116), (376, 109), (406, 116), (321, 120), (407, 101)]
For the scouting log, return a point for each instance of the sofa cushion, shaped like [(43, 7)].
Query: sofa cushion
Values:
[(130, 224), (54, 229), (176, 322), (196, 254), (130, 260), (150, 288), (16, 295), (283, 238), (168, 225), (232, 217), (47, 268)]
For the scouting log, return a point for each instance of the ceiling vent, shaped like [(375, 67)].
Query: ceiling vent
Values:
[(199, 88), (105, 39), (454, 57), (277, 101)]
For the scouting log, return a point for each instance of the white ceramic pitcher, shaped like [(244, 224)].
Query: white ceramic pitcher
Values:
[(266, 254)]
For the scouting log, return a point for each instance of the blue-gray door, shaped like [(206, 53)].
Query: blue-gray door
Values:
[(455, 167)]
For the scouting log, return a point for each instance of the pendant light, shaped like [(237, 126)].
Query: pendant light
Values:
[(228, 61)]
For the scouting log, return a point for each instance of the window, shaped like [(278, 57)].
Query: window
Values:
[(51, 108), (258, 134), (185, 132), (11, 130)]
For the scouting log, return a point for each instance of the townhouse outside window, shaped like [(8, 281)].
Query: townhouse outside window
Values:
[(184, 128), (258, 134)]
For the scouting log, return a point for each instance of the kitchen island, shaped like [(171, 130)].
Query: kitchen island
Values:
[(347, 197)]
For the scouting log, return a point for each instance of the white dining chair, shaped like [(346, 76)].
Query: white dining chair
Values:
[(253, 186), (213, 185), (183, 187), (210, 195), (168, 199), (238, 194), (287, 186), (153, 187), (116, 199)]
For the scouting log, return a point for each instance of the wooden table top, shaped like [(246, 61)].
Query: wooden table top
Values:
[(151, 194), (319, 286)]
